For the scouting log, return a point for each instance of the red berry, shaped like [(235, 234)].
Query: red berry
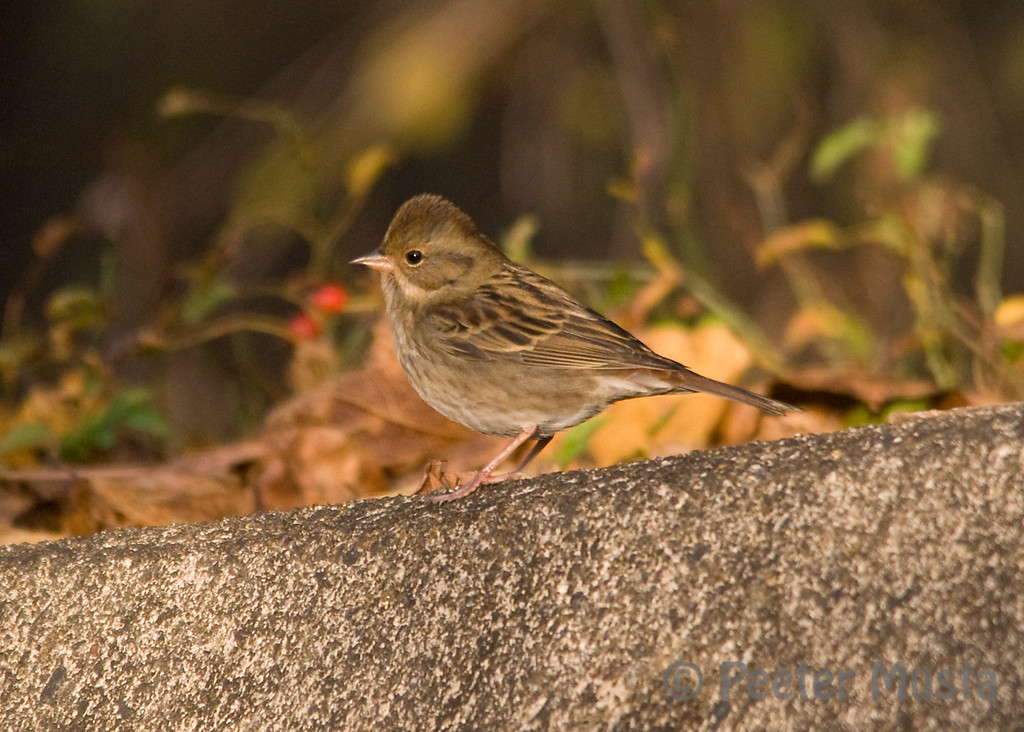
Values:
[(330, 299), (303, 328)]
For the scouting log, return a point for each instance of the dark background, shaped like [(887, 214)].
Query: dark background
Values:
[(507, 108)]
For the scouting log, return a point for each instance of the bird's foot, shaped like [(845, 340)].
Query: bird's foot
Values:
[(486, 475), (436, 479), (437, 495)]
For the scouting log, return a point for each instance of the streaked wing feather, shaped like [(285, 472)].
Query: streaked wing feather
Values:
[(523, 317)]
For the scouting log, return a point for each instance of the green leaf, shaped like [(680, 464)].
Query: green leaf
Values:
[(206, 296), (76, 307), (914, 134), (147, 420), (576, 441), (888, 230), (1012, 352), (621, 288), (98, 431), (91, 434), (862, 415), (133, 408), (844, 326), (26, 436), (838, 146), (517, 240), (906, 405)]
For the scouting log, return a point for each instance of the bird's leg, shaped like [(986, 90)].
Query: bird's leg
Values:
[(518, 472), (484, 476)]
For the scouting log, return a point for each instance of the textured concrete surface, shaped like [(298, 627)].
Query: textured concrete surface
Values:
[(561, 601)]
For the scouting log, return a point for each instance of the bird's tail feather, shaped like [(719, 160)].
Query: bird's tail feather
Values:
[(692, 381)]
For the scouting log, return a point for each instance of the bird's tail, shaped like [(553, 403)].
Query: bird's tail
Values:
[(692, 381)]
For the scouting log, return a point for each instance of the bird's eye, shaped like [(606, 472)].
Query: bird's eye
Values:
[(414, 256)]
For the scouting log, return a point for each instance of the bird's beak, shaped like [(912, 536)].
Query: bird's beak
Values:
[(375, 260)]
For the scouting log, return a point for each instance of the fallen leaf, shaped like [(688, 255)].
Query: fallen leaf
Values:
[(672, 424), (855, 385), (389, 427), (152, 496)]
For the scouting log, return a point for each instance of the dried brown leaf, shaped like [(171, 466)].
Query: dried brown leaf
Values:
[(147, 496), (672, 424), (871, 389)]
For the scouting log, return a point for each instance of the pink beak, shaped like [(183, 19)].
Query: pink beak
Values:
[(375, 260)]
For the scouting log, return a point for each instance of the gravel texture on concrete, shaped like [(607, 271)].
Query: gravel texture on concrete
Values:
[(868, 579)]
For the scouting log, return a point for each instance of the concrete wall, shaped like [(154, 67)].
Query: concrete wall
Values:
[(567, 600)]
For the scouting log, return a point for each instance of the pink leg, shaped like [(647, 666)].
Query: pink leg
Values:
[(484, 476), (518, 472)]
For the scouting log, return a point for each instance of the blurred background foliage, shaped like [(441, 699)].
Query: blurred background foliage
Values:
[(839, 183)]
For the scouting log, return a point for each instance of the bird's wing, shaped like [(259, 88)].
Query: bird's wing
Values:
[(520, 316)]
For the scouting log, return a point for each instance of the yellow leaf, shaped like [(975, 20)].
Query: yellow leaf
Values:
[(517, 239), (887, 230), (657, 253), (673, 424), (623, 189), (823, 320), (367, 167), (1010, 312), (810, 234)]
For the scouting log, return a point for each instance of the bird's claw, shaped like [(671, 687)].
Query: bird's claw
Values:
[(436, 479), (462, 487)]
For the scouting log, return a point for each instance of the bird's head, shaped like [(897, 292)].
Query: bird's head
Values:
[(432, 250)]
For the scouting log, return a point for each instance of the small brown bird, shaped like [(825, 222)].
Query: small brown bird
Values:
[(497, 348)]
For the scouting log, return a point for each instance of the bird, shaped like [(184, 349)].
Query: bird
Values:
[(504, 351)]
